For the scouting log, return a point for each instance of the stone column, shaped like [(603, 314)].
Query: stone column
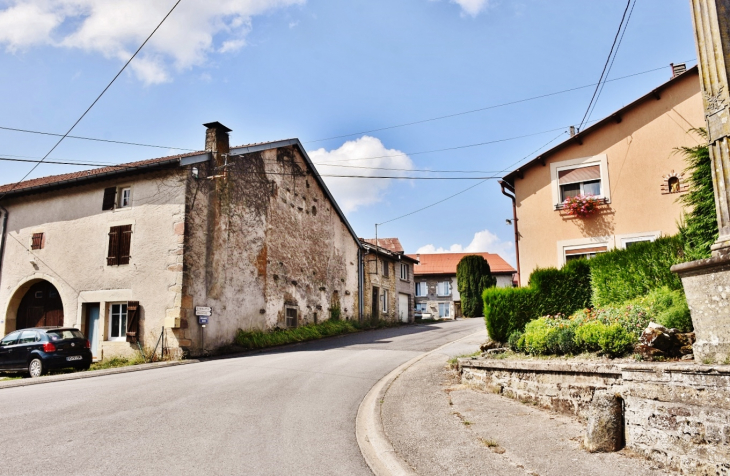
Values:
[(707, 282)]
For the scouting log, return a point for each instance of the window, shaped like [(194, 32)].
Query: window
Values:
[(586, 253), (404, 272), (118, 322), (444, 308), (66, 334), (120, 240), (110, 195), (37, 242), (28, 337), (421, 307), (386, 268), (629, 243), (443, 288), (125, 197), (291, 317), (580, 181), (384, 301), (10, 339), (422, 289)]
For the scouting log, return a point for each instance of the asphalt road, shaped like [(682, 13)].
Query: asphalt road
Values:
[(286, 411)]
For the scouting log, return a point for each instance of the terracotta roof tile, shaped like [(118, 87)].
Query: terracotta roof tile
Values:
[(445, 263), (390, 244)]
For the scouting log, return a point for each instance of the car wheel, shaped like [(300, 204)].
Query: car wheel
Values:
[(35, 367), (84, 367)]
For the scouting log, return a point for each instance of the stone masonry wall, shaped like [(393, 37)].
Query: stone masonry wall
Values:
[(678, 415)]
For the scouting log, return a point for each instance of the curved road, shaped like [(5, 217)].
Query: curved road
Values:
[(287, 411)]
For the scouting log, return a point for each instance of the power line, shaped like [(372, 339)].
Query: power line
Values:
[(95, 100), (28, 131), (610, 66), (603, 72), (495, 106)]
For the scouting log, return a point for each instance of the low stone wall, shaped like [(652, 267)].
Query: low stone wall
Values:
[(675, 414)]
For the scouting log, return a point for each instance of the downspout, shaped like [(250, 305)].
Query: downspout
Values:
[(2, 238), (511, 195), (360, 283)]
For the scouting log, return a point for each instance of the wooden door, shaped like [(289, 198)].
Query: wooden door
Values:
[(41, 306)]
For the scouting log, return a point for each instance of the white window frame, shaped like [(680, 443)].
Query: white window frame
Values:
[(621, 240), (404, 271), (384, 301), (556, 167), (122, 198), (123, 332), (571, 245), (421, 307), (447, 312), (419, 287), (439, 287)]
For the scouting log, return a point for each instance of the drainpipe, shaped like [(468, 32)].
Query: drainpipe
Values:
[(360, 283), (2, 238), (511, 195)]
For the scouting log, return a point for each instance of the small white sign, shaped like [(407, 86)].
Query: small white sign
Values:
[(202, 311)]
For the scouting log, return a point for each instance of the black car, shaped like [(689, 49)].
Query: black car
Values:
[(39, 349)]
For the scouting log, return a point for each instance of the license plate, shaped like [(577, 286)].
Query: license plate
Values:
[(74, 357)]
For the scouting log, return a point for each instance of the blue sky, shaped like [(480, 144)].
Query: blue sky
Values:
[(315, 69)]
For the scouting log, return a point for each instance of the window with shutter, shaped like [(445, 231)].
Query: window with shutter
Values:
[(112, 257), (120, 240), (133, 321), (125, 244), (386, 268), (37, 242), (110, 196)]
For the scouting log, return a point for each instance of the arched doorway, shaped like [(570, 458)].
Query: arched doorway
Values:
[(41, 306)]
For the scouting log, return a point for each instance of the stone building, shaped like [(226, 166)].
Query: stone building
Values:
[(388, 287), (437, 289), (122, 252)]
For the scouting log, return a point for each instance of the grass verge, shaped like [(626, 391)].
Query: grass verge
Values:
[(115, 362), (249, 340)]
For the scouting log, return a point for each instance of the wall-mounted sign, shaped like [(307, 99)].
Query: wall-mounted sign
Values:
[(202, 320), (202, 311)]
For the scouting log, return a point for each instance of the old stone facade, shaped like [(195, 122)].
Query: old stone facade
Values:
[(252, 233), (388, 290)]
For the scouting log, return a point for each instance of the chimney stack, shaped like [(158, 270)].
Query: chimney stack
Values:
[(572, 131), (678, 69), (216, 139)]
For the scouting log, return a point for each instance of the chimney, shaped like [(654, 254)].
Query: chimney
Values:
[(216, 139), (572, 131), (678, 69)]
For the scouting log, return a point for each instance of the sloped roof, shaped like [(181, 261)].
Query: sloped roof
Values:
[(445, 263), (391, 244)]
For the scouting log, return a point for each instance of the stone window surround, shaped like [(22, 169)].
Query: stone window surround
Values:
[(555, 167)]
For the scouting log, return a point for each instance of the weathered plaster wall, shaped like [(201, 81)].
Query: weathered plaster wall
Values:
[(73, 259), (676, 414), (639, 150), (261, 239), (375, 277)]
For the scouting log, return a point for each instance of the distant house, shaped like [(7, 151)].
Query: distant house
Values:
[(123, 252), (437, 290), (628, 160), (388, 286)]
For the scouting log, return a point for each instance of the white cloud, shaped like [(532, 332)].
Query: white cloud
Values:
[(352, 193), (116, 28), (472, 7), (484, 241)]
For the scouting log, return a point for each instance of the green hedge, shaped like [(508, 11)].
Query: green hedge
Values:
[(563, 291), (620, 275), (508, 309)]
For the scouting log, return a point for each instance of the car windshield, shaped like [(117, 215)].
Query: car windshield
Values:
[(64, 334)]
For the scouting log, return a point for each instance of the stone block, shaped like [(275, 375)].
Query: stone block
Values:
[(605, 429), (179, 228)]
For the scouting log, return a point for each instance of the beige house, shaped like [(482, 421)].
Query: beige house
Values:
[(124, 252), (437, 289), (388, 285), (628, 160)]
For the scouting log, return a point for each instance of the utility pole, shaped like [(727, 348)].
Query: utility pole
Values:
[(707, 282)]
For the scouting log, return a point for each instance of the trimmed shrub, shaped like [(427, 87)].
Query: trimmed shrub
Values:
[(516, 342), (565, 290), (473, 276), (620, 275), (668, 308), (615, 341), (537, 334), (507, 310), (587, 336)]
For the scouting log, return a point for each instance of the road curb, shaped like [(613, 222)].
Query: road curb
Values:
[(93, 373), (374, 445)]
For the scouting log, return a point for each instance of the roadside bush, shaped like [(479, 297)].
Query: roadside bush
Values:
[(507, 310), (621, 275), (668, 308), (537, 334), (565, 290), (615, 341), (516, 342), (587, 336)]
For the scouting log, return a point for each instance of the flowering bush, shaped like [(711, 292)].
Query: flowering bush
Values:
[(581, 205)]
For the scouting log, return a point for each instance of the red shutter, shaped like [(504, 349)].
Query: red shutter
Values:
[(112, 257), (133, 321), (37, 243), (125, 243), (110, 197)]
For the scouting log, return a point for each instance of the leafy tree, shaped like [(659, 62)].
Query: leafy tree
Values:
[(473, 276), (699, 229)]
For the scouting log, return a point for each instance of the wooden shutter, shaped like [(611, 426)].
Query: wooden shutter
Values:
[(133, 321), (110, 197), (37, 243), (125, 233), (112, 257)]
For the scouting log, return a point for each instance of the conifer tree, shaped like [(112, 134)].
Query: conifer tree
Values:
[(473, 277)]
